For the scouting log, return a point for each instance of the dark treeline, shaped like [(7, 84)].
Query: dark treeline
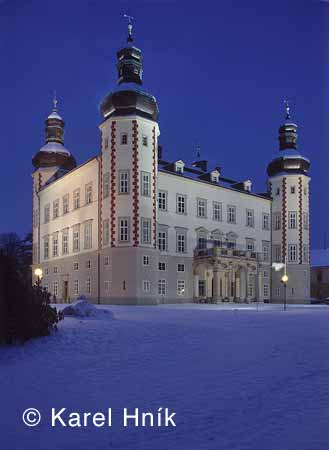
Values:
[(24, 309)]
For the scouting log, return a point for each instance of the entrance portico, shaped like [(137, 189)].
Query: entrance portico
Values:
[(226, 275)]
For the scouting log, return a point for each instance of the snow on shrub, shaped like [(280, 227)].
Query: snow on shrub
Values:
[(83, 308)]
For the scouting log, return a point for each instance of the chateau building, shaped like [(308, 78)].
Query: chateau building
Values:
[(130, 227)]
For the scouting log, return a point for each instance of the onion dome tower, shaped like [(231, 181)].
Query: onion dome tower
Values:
[(129, 98), (53, 153), (289, 186), (289, 159), (129, 139)]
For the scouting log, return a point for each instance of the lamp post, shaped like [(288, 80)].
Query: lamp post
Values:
[(284, 281), (38, 273)]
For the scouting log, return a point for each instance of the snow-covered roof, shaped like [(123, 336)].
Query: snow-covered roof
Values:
[(54, 147), (320, 258), (54, 115)]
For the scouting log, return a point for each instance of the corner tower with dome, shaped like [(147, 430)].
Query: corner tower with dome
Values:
[(129, 226), (289, 186)]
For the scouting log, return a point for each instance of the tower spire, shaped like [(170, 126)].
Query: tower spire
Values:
[(287, 108), (130, 27), (55, 102)]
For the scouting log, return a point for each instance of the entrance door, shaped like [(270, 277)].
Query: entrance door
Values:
[(202, 288), (65, 291)]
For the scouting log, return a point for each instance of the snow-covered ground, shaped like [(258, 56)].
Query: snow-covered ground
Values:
[(237, 378)]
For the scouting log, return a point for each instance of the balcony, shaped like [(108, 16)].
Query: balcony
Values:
[(215, 252)]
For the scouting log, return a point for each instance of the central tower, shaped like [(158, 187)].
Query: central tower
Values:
[(129, 143)]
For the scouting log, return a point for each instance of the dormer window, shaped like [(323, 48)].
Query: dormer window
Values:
[(214, 176), (179, 166), (247, 185)]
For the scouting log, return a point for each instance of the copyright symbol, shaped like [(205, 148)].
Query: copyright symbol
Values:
[(31, 417)]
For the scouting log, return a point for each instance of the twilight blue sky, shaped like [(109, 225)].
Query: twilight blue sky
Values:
[(219, 69)]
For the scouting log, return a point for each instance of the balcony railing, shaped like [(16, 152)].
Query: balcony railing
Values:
[(222, 251)]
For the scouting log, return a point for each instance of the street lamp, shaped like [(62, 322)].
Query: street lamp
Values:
[(38, 274), (284, 281)]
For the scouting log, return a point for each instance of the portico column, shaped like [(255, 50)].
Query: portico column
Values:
[(196, 286), (260, 292), (216, 291), (208, 284), (247, 281), (230, 280), (237, 285)]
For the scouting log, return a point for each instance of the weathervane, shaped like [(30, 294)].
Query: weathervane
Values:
[(130, 27), (198, 150), (55, 101), (286, 103)]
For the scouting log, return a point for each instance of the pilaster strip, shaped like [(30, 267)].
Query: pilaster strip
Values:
[(284, 218), (154, 193), (135, 184), (113, 183), (300, 217)]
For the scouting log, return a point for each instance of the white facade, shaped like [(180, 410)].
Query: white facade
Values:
[(128, 227)]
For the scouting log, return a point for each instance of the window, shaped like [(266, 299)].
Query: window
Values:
[(88, 264), (124, 182), (76, 287), (250, 245), (181, 204), (292, 189), (162, 287), (107, 286), (106, 232), (202, 242), (250, 288), (217, 211), (162, 266), (277, 253), (231, 243), (292, 218), (266, 290), (265, 274), (146, 260), (305, 253), (266, 221), (88, 235), (124, 138), (181, 241), (144, 139), (75, 266), (145, 184), (106, 185), (214, 176), (55, 209), (277, 221), (46, 271), (123, 229), (55, 269), (180, 267), (231, 214), (278, 292), (106, 261), (47, 213), (76, 238), (292, 252), (66, 204), (106, 142), (181, 287), (89, 193), (266, 251), (162, 200), (65, 242), (76, 199), (250, 221), (201, 207), (305, 220), (88, 286), (146, 285), (163, 241), (278, 191), (55, 244), (55, 288), (179, 167), (305, 190)]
